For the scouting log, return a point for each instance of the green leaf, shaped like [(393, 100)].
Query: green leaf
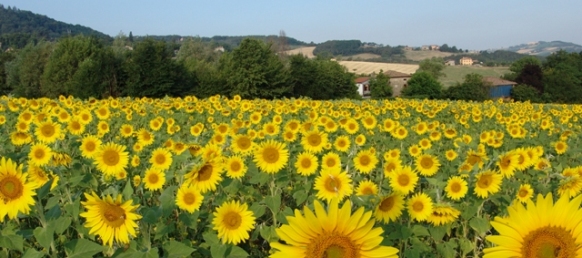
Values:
[(167, 200), (82, 248), (237, 252), (257, 209), (273, 202), (218, 250), (189, 219), (437, 233), (32, 253), (419, 230), (447, 249), (44, 236), (406, 232), (480, 225), (177, 249), (151, 215), (127, 191), (300, 197), (466, 245), (210, 238), (60, 224), (268, 233), (12, 242), (44, 190)]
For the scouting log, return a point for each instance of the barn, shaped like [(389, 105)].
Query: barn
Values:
[(500, 88)]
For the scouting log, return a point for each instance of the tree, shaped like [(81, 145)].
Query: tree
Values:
[(562, 77), (433, 66), (24, 73), (5, 57), (517, 66), (254, 71), (423, 84), (380, 86), (201, 62), (532, 75), (130, 37), (523, 92), (151, 72), (472, 88)]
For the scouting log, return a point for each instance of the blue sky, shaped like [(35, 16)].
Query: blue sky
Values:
[(467, 24)]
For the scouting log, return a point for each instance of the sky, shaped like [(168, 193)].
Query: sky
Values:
[(466, 24)]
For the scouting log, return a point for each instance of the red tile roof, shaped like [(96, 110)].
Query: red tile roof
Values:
[(362, 79)]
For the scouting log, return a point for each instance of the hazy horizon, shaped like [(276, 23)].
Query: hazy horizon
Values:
[(466, 24)]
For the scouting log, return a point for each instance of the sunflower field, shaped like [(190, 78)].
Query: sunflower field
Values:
[(219, 177)]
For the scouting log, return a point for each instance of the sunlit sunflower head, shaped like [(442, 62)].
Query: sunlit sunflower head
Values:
[(333, 183), (414, 150), (306, 163), (189, 198), (102, 128), (403, 180), (543, 228), (419, 206), (425, 144), (570, 186), (235, 167), (351, 126), (37, 176), (389, 208), (427, 165), (456, 188), (126, 130), (476, 158), (89, 146), (442, 214), (271, 156), (112, 219), (392, 154), (487, 182), (40, 154), (524, 193), (16, 191), (233, 221), (360, 140), (20, 138), (111, 158), (206, 176), (314, 141), (399, 132), (366, 187), (161, 159), (336, 232), (542, 164), (154, 179), (365, 161), (342, 143), (75, 127), (178, 148), (451, 155), (144, 137), (330, 160), (48, 131), (560, 147), (242, 144)]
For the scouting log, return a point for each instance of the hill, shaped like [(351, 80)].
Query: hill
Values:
[(543, 48), (18, 27), (457, 73)]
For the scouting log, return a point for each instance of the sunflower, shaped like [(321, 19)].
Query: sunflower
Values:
[(306, 164), (456, 188), (427, 165), (271, 156), (360, 140), (570, 186), (451, 155), (161, 159), (414, 150), (442, 214), (332, 233), (15, 191), (20, 138), (144, 137), (112, 219), (476, 158), (75, 127), (332, 183), (365, 161), (403, 180), (40, 154), (342, 143), (351, 126), (487, 182), (102, 128), (111, 158), (523, 159), (390, 208), (330, 160), (391, 165), (48, 132), (188, 198), (206, 176), (37, 176), (419, 207), (242, 144), (126, 130), (235, 167), (366, 187), (399, 132), (524, 193), (507, 164), (541, 229), (233, 221), (154, 179), (289, 136), (314, 141)]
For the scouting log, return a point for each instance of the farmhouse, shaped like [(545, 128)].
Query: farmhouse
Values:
[(500, 88), (363, 84), (398, 81), (466, 61), (450, 62)]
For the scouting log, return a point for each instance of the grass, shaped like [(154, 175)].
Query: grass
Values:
[(421, 55), (457, 73)]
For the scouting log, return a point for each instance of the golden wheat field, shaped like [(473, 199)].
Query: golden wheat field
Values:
[(361, 67), (228, 177)]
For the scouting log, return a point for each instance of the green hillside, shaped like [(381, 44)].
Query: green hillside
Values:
[(457, 73)]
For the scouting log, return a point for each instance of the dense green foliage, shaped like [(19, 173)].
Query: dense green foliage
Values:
[(453, 49), (523, 92), (380, 87), (487, 58), (354, 47), (563, 77), (433, 66), (472, 88), (19, 27), (24, 73), (423, 84)]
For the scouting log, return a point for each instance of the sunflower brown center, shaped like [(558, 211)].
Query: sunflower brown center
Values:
[(426, 163), (403, 180), (365, 160), (455, 187), (47, 130), (76, 125), (523, 193), (332, 246), (387, 204), (160, 159), (111, 157), (367, 191), (235, 166), (271, 155), (232, 220), (153, 178), (330, 162), (341, 143), (205, 172), (418, 206), (114, 215), (332, 184), (11, 188), (314, 140), (39, 153), (90, 146), (549, 242), (243, 143), (189, 198), (306, 163), (485, 181)]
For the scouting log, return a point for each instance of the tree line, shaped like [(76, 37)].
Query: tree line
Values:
[(85, 66)]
